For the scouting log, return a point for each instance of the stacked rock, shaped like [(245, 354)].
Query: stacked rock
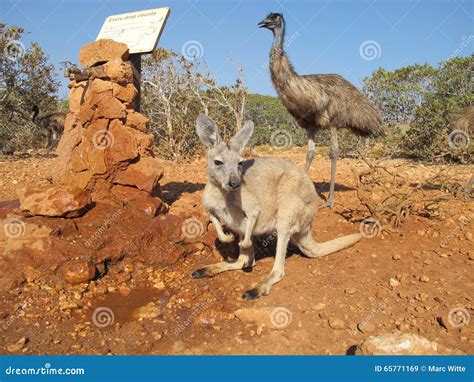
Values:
[(106, 147)]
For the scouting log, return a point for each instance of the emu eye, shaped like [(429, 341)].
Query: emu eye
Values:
[(218, 162)]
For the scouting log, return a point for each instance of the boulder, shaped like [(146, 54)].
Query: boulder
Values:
[(137, 121), (54, 201), (102, 51), (125, 93), (401, 344)]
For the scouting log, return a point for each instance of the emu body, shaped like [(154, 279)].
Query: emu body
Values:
[(322, 101), (257, 197)]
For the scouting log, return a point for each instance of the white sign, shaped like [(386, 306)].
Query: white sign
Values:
[(139, 30)]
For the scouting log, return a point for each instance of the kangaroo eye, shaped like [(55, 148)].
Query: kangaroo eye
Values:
[(241, 163), (218, 162)]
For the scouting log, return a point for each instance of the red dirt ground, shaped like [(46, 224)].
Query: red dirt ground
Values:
[(430, 259)]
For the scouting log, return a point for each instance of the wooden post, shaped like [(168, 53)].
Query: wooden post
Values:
[(136, 61)]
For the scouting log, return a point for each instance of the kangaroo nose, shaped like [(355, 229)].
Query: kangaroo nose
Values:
[(234, 184)]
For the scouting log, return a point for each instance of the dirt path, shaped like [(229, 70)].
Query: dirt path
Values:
[(407, 280)]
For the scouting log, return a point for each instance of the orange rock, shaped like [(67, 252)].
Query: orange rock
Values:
[(102, 51), (124, 145), (118, 71), (109, 107), (75, 98), (77, 271), (137, 121), (144, 175), (125, 93), (139, 200), (54, 201)]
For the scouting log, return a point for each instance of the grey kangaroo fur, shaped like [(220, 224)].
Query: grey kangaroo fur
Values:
[(257, 197)]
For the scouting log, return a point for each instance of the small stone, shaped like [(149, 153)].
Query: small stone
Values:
[(424, 279), (148, 311), (393, 282), (159, 285), (77, 271), (319, 306), (336, 323), (17, 346), (67, 305), (366, 327), (468, 236), (396, 257), (350, 291)]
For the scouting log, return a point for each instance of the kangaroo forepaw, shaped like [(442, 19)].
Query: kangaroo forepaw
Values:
[(227, 238), (245, 244)]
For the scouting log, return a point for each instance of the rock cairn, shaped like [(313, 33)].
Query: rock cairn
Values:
[(105, 151)]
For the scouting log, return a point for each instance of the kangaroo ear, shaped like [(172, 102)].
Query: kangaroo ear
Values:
[(207, 131), (241, 138)]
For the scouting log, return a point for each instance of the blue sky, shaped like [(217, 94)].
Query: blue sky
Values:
[(325, 36)]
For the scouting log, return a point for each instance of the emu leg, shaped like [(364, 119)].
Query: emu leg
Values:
[(311, 131), (333, 155)]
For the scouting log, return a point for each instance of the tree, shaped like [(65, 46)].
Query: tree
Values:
[(26, 79), (175, 91)]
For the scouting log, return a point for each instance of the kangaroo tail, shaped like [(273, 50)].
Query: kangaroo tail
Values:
[(312, 249)]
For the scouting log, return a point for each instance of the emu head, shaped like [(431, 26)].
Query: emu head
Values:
[(274, 22), (225, 162)]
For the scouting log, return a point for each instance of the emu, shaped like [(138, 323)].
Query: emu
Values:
[(319, 101), (53, 123)]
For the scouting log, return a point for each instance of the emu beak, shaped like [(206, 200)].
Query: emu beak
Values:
[(264, 23)]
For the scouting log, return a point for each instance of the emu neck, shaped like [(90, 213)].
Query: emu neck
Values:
[(280, 66)]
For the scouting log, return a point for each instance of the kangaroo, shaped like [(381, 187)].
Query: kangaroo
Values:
[(258, 197)]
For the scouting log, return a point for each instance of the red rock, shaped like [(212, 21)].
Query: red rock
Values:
[(110, 108), (139, 200), (144, 175), (54, 201), (77, 271), (75, 97), (124, 147), (118, 71), (102, 51), (137, 121), (125, 93)]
